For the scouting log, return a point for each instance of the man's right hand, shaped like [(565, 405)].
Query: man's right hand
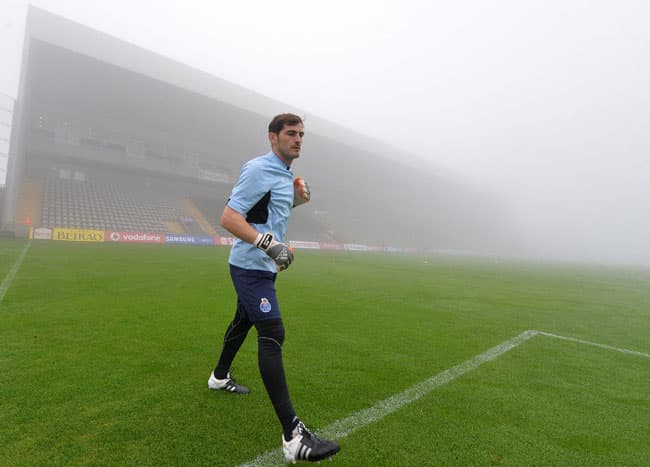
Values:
[(278, 252)]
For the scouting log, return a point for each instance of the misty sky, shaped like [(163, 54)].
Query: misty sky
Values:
[(546, 103)]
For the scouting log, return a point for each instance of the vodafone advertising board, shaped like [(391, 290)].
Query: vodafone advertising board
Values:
[(134, 237)]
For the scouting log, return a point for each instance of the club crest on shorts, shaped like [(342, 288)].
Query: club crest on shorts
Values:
[(265, 305)]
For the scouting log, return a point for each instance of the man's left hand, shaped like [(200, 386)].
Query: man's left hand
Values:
[(301, 193)]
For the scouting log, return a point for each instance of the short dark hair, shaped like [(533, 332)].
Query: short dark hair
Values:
[(282, 120)]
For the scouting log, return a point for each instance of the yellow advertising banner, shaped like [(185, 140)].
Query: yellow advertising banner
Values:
[(78, 235)]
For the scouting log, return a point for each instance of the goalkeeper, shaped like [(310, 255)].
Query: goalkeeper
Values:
[(257, 213)]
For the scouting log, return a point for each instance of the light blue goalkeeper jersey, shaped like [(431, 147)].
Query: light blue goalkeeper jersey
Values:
[(264, 196)]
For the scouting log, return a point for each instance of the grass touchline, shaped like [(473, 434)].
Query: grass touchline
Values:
[(12, 272)]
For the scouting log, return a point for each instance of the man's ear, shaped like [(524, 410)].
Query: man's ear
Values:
[(273, 138)]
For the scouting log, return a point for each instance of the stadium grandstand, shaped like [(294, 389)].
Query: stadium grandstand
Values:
[(6, 117), (108, 136)]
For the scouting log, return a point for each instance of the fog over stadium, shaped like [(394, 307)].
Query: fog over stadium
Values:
[(542, 106)]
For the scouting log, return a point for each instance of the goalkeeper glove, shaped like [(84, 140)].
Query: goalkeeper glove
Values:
[(301, 193), (279, 252)]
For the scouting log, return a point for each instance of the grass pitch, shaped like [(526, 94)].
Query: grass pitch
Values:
[(105, 351)]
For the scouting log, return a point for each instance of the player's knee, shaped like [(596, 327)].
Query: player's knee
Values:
[(272, 329)]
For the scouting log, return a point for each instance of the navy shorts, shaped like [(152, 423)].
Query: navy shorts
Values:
[(255, 293)]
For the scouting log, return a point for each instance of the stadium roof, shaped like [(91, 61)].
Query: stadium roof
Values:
[(77, 38)]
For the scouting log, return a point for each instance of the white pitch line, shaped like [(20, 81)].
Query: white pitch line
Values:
[(351, 423), (12, 272), (595, 344)]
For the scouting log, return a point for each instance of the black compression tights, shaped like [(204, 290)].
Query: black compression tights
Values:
[(232, 341), (270, 337)]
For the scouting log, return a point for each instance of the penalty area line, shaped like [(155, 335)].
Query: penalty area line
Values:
[(12, 272), (351, 423), (345, 426), (595, 344)]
